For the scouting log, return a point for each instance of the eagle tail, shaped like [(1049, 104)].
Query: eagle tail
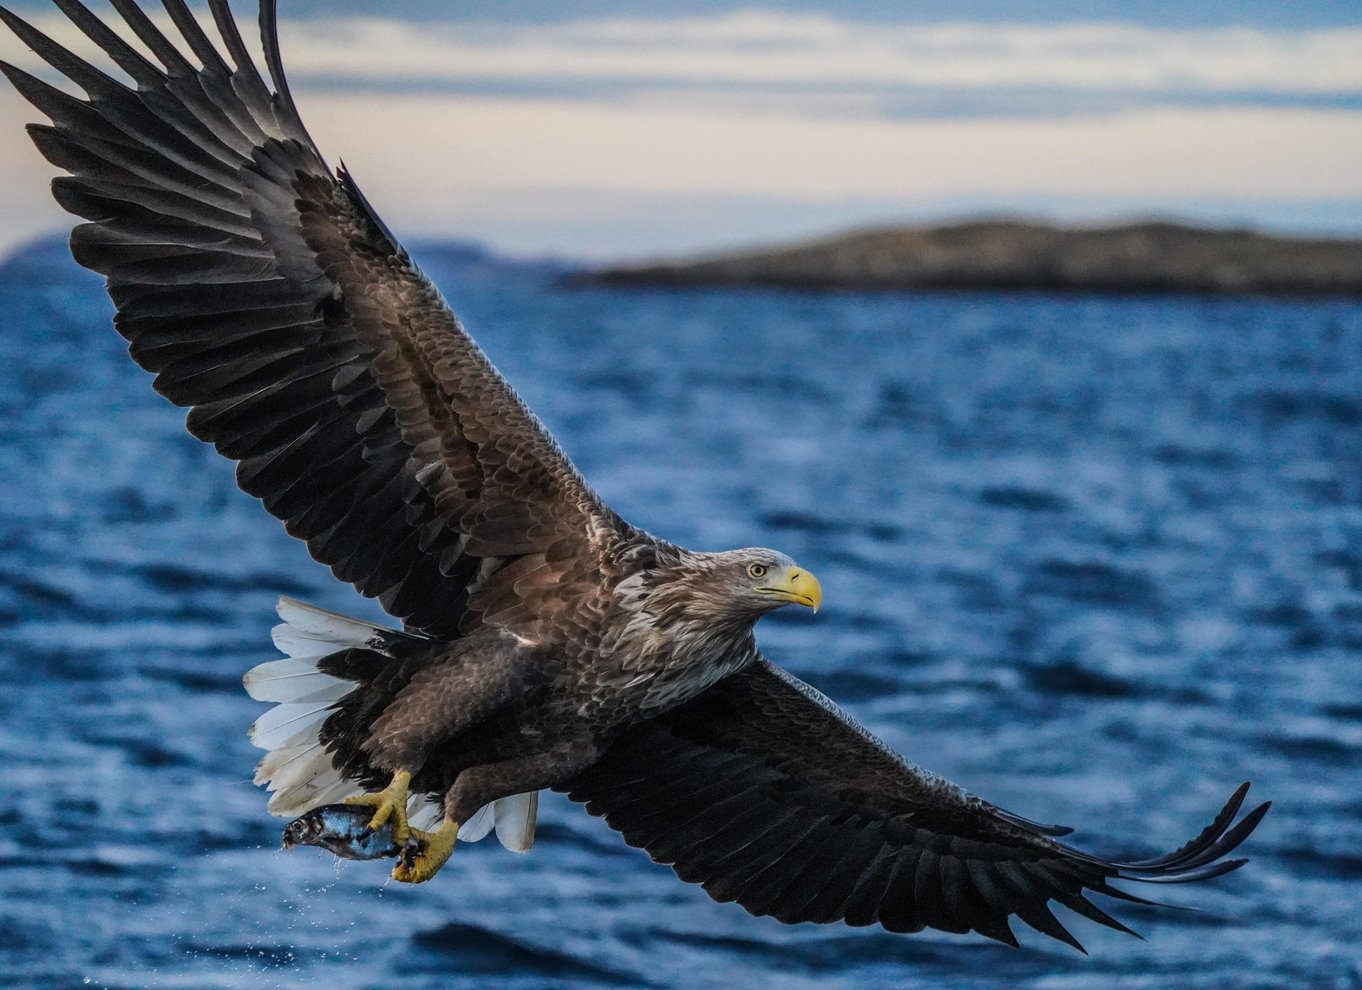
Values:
[(298, 767), (512, 818)]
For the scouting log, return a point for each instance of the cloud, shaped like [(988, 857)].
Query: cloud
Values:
[(492, 142), (613, 128), (780, 49), (761, 49)]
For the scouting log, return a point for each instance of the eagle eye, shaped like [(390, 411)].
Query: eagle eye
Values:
[(756, 570)]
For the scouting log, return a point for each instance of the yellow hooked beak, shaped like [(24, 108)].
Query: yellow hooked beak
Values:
[(795, 585)]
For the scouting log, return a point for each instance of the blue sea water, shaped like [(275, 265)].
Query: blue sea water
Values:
[(1097, 560)]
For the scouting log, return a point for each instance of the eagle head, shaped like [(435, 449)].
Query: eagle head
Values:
[(754, 581)]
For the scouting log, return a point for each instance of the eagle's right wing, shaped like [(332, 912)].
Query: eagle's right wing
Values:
[(765, 793), (267, 296)]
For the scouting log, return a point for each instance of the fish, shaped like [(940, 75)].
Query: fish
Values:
[(342, 829)]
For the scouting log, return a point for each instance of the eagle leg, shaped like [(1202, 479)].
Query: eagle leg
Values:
[(426, 852), (391, 802)]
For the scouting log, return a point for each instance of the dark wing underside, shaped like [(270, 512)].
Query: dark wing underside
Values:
[(766, 794), (268, 298)]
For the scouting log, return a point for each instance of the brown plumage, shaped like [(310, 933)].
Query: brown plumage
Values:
[(546, 642)]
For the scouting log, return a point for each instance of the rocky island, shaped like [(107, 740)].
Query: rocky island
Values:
[(1006, 254)]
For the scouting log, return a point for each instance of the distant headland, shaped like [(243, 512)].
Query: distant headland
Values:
[(1011, 254)]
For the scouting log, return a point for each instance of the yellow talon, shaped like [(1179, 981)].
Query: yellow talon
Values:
[(426, 853), (391, 802)]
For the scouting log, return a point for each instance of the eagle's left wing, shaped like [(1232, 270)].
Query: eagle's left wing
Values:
[(270, 300), (767, 794)]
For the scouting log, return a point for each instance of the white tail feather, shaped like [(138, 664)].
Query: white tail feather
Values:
[(298, 769), (301, 770), (516, 817), (478, 824), (425, 813), (292, 680), (513, 819), (276, 758), (327, 788), (307, 626), (282, 724)]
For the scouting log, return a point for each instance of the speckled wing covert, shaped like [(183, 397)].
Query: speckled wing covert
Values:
[(266, 296), (767, 794)]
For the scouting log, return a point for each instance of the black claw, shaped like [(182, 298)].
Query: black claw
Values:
[(413, 850)]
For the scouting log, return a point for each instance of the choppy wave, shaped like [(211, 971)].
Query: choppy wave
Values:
[(1097, 560)]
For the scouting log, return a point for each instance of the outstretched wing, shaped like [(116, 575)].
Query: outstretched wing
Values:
[(267, 296), (767, 794)]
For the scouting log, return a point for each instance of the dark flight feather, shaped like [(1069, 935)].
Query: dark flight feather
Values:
[(854, 833), (244, 274)]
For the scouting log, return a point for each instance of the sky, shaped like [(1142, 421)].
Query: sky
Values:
[(594, 130)]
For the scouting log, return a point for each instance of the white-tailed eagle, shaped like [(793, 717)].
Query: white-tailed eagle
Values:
[(546, 643)]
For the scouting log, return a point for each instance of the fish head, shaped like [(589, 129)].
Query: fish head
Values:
[(305, 830)]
